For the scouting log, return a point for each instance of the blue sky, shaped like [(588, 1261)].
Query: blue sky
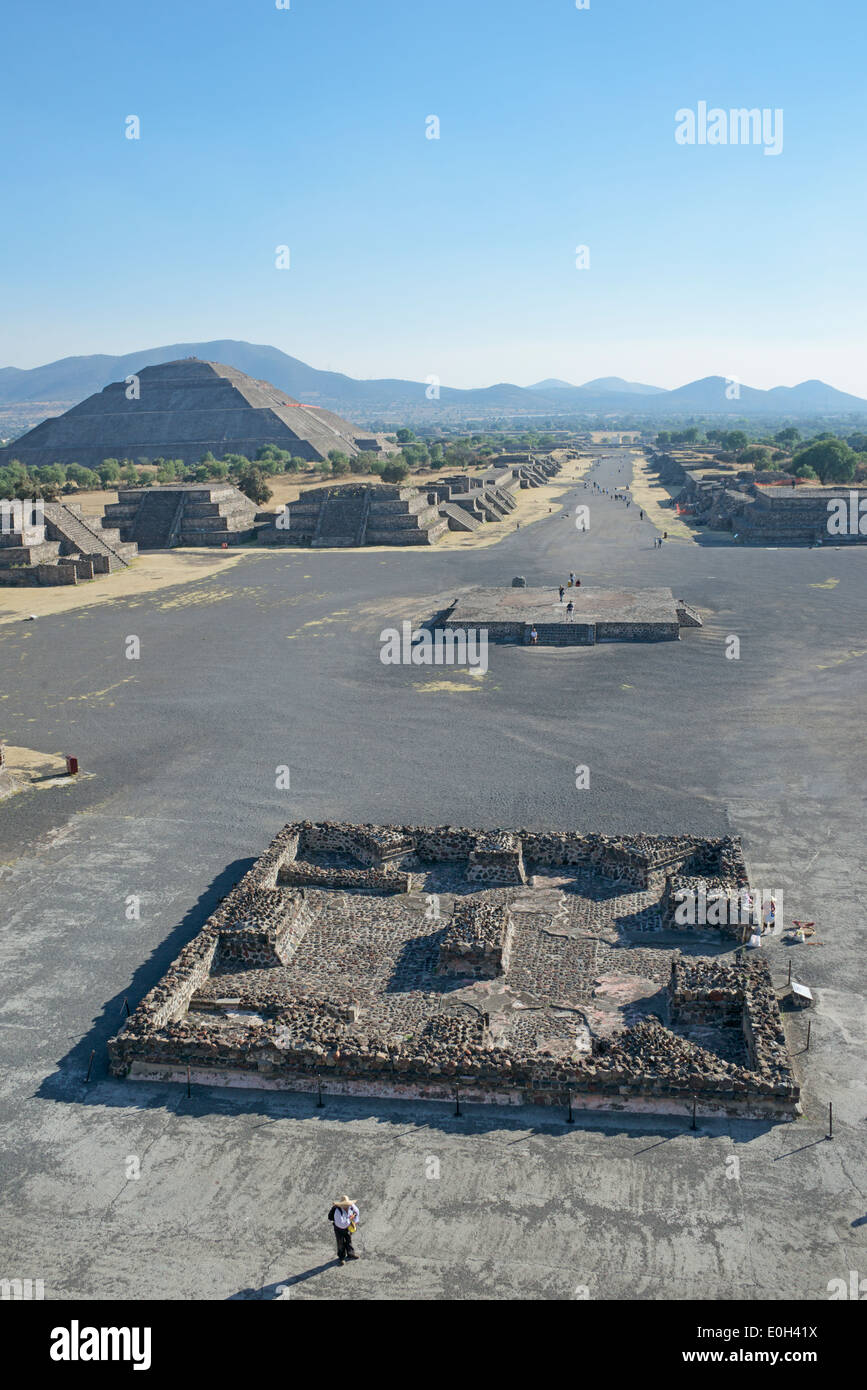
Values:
[(454, 257)]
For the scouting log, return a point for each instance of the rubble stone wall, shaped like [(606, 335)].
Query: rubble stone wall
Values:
[(294, 1040)]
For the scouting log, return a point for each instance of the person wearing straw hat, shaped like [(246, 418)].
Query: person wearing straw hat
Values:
[(344, 1216)]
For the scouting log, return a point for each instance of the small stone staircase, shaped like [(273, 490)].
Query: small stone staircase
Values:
[(156, 521), (687, 616), (76, 533)]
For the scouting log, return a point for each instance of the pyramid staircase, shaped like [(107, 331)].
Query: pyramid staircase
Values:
[(85, 536)]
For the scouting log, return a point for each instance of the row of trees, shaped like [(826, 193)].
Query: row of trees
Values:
[(824, 458), (54, 480), (57, 479)]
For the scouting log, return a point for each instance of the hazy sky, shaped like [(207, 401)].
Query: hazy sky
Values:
[(306, 127)]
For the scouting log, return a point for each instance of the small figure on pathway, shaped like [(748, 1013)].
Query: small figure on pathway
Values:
[(562, 592), (571, 579), (641, 516), (570, 609), (344, 1215), (534, 637), (769, 917)]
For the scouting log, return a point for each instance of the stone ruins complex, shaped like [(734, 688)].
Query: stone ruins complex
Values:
[(186, 514), (600, 615), (517, 966), (181, 410), (57, 544), (764, 509), (355, 514)]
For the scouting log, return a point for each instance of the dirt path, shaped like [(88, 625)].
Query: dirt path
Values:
[(649, 494), (152, 570)]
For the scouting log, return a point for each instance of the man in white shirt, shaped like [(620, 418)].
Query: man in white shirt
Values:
[(769, 916), (344, 1215)]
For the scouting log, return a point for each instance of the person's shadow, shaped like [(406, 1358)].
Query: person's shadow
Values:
[(269, 1292)]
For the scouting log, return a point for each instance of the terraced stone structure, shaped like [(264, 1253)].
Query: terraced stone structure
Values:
[(356, 514), (511, 614), (55, 543), (768, 509), (374, 961), (159, 518), (181, 410), (468, 501)]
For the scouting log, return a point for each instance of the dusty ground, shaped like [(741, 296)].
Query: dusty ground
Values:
[(153, 570), (650, 495)]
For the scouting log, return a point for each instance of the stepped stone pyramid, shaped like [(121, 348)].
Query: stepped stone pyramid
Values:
[(182, 410), (357, 514), (57, 544), (157, 518)]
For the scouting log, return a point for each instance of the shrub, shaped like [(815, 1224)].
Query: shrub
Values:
[(394, 472), (252, 482)]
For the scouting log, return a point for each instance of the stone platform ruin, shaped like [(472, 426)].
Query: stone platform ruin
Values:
[(356, 514), (159, 518), (600, 615), (519, 966), (50, 543), (766, 508)]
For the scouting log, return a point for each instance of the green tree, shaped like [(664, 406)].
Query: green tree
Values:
[(735, 440), (78, 475), (756, 455), (790, 435), (394, 471), (416, 455), (253, 483), (340, 463), (831, 458), (404, 436), (109, 471)]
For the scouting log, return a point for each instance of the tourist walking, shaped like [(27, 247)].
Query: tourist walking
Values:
[(562, 592), (534, 637), (344, 1216), (570, 609), (769, 916), (571, 579)]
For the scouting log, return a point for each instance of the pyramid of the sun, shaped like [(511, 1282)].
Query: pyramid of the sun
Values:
[(182, 409)]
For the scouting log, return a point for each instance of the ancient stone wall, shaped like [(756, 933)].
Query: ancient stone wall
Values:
[(477, 941), (263, 1031)]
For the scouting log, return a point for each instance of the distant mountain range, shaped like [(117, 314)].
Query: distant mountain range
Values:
[(58, 385), (599, 385)]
